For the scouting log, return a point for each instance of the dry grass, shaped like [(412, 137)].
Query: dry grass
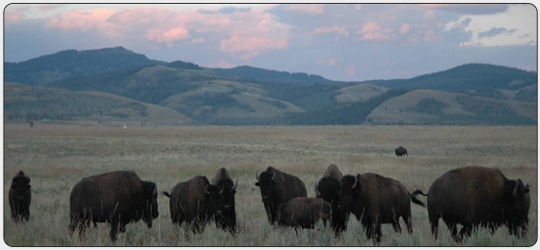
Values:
[(56, 157)]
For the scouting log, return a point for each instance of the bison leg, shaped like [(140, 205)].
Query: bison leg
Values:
[(453, 230), (396, 226), (114, 228), (465, 231), (434, 221)]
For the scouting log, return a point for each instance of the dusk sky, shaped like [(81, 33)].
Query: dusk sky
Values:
[(348, 42)]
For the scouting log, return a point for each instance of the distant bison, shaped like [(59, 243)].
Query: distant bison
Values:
[(401, 151), (20, 196), (477, 196), (226, 214), (118, 198), (278, 188), (374, 200), (303, 212), (194, 201), (328, 187)]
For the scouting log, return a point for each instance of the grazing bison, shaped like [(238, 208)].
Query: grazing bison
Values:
[(401, 151), (226, 215), (118, 197), (328, 187), (375, 200), (20, 196), (303, 212), (194, 201), (477, 196), (277, 188)]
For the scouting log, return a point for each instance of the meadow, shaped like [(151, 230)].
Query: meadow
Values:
[(56, 157)]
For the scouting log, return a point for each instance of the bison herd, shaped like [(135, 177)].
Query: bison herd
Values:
[(471, 196)]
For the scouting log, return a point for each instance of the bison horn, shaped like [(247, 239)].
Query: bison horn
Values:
[(273, 174), (257, 176), (355, 182), (235, 185), (317, 190), (155, 189), (206, 189), (515, 193)]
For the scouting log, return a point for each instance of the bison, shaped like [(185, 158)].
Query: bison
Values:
[(328, 187), (477, 196), (20, 196), (194, 201), (226, 214), (277, 188), (401, 151), (374, 200), (303, 212), (118, 198)]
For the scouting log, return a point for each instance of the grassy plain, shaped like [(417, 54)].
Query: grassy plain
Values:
[(58, 156)]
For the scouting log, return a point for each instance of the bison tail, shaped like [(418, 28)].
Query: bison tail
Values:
[(417, 192), (166, 194), (417, 201)]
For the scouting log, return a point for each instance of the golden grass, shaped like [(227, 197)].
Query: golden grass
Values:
[(58, 156)]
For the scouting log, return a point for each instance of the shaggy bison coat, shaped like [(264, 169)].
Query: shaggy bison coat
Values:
[(303, 212), (328, 187), (477, 196), (374, 200), (226, 215), (277, 188), (20, 196), (194, 201), (118, 198)]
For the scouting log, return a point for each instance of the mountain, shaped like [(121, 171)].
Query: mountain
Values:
[(468, 77), (73, 63), (275, 76), (25, 102)]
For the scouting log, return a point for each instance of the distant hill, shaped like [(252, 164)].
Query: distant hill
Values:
[(468, 77), (73, 63), (275, 76), (25, 102)]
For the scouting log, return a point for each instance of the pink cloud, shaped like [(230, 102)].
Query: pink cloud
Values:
[(351, 71), (474, 9), (81, 20), (357, 6), (168, 36), (48, 7), (336, 29), (372, 31), (312, 9), (430, 36), (327, 62), (198, 40), (13, 16), (252, 46), (404, 28), (429, 14)]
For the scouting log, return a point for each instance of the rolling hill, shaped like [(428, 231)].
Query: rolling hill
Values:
[(25, 102)]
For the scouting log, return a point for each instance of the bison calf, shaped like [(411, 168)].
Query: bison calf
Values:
[(194, 201), (303, 212), (226, 214), (118, 198), (20, 196), (477, 196)]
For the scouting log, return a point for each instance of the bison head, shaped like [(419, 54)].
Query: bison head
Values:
[(350, 187), (211, 194), (151, 210), (21, 185), (266, 182), (328, 189), (516, 203), (226, 195)]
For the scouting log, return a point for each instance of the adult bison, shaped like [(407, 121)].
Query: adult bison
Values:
[(194, 201), (303, 212), (118, 198), (477, 196), (401, 151), (226, 215), (20, 196), (374, 200), (277, 188), (328, 187)]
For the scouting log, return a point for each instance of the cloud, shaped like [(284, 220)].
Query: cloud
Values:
[(495, 31), (429, 36), (48, 7), (327, 62), (81, 20), (468, 9), (312, 9), (198, 40), (357, 6), (168, 36), (336, 29), (230, 10), (372, 31), (250, 47), (404, 28)]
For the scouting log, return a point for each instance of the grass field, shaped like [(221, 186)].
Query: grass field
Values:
[(58, 156)]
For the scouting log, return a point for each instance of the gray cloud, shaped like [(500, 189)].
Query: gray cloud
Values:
[(230, 10), (469, 9), (495, 31)]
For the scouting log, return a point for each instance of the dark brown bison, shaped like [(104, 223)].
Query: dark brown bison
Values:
[(118, 198), (374, 200), (194, 201), (401, 151), (20, 196), (277, 188), (226, 215), (328, 187), (477, 196), (303, 212)]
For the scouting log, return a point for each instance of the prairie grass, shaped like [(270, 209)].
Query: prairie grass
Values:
[(58, 156)]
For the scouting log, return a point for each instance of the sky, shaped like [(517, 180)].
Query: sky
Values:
[(345, 42)]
